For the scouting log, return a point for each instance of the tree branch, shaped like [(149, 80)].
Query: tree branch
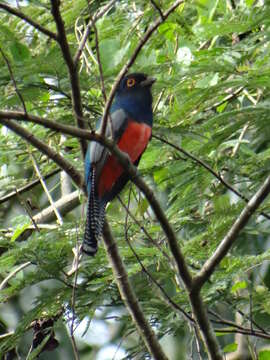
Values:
[(129, 297), (209, 169), (227, 242), (131, 60), (13, 79), (64, 206), (72, 69), (168, 300), (51, 201), (97, 16), (204, 325), (30, 21), (27, 187), (158, 9), (45, 149), (244, 331)]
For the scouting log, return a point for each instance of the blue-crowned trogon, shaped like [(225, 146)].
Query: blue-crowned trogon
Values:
[(130, 126)]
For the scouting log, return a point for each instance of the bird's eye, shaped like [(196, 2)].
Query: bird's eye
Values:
[(131, 82)]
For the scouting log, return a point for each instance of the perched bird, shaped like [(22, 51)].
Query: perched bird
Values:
[(130, 126)]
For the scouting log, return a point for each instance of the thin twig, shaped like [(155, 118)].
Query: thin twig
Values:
[(237, 145), (227, 98), (158, 9), (45, 149), (166, 297), (51, 201), (28, 211), (131, 60), (86, 47), (27, 19), (231, 304), (84, 38), (245, 332), (208, 168), (223, 321), (13, 80), (65, 205), (87, 30), (99, 61), (169, 73), (76, 259), (82, 41), (14, 273), (27, 187), (197, 341), (153, 242), (3, 336)]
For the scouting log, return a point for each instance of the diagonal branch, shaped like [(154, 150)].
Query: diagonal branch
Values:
[(64, 205), (87, 30), (227, 242), (72, 69), (46, 190), (162, 291), (157, 8), (129, 297), (26, 187), (132, 59), (13, 79), (45, 149), (27, 19), (209, 169)]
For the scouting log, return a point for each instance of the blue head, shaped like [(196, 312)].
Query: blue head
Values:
[(134, 96)]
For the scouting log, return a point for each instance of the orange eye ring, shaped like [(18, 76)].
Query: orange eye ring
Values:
[(131, 82)]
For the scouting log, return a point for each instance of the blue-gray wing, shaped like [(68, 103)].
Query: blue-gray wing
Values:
[(96, 153)]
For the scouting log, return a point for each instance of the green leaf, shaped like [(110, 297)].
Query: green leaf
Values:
[(19, 230), (230, 348), (264, 355), (19, 52), (240, 285), (143, 206)]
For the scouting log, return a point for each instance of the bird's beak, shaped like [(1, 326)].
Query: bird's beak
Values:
[(148, 82)]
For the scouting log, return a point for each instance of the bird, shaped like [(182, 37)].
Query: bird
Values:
[(129, 125)]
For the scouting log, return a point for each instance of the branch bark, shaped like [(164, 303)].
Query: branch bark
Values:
[(64, 206), (72, 69), (27, 187), (227, 242), (30, 21), (86, 33), (132, 59), (209, 169), (129, 297), (45, 149)]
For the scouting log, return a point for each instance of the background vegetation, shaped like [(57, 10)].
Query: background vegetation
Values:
[(209, 154)]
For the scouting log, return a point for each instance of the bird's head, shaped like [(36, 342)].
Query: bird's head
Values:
[(134, 96), (136, 82)]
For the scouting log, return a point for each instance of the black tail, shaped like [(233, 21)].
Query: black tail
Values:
[(94, 219)]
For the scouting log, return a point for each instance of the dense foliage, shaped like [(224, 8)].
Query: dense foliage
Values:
[(211, 59)]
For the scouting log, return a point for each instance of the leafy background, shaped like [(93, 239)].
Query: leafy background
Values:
[(211, 59)]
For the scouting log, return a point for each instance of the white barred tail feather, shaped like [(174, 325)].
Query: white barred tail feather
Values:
[(94, 219)]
